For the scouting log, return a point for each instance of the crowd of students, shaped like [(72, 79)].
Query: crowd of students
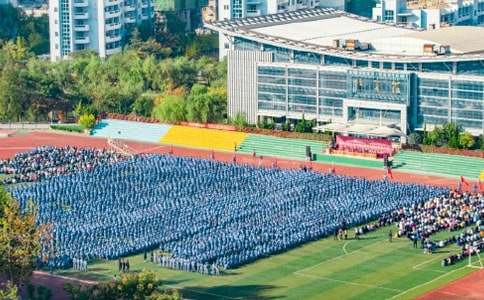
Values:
[(203, 213), (46, 162), (453, 212)]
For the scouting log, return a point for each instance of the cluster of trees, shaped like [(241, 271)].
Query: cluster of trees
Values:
[(19, 244), (165, 36), (34, 31), (133, 286), (448, 135), (129, 82)]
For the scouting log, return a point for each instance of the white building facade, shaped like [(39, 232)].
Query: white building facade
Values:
[(237, 9), (99, 25), (444, 13)]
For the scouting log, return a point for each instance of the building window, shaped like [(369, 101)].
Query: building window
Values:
[(389, 15)]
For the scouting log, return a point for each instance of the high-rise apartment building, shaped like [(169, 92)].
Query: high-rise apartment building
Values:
[(100, 25), (430, 14)]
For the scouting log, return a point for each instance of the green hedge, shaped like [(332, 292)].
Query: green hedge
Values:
[(69, 128)]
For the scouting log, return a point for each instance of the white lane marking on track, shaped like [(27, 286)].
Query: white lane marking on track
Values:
[(425, 283), (417, 267), (344, 247), (348, 282)]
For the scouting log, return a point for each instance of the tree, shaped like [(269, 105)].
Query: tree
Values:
[(451, 133), (466, 140), (15, 24), (240, 120), (14, 100), (87, 121), (436, 137), (19, 240), (304, 125), (138, 286), (9, 292), (206, 104), (143, 106), (170, 108)]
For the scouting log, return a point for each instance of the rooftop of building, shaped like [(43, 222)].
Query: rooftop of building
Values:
[(317, 30)]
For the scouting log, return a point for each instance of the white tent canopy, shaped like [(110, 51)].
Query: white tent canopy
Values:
[(333, 127), (385, 131), (360, 128)]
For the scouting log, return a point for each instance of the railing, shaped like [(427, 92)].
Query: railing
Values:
[(29, 126), (119, 146)]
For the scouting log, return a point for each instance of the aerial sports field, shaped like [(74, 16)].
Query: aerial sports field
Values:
[(368, 268)]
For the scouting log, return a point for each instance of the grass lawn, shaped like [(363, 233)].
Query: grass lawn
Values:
[(369, 268)]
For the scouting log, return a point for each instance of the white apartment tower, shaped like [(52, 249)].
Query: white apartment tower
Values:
[(100, 25)]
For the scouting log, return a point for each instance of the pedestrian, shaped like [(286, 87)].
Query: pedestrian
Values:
[(390, 236)]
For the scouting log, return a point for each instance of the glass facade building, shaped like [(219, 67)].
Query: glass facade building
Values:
[(275, 73), (317, 85)]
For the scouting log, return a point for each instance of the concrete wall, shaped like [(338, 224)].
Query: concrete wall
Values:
[(242, 82)]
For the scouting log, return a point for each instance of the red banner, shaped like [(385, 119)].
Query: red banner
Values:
[(381, 147)]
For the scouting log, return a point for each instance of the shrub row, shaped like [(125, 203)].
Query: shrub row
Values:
[(131, 117), (69, 128)]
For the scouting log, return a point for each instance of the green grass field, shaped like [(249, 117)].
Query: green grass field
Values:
[(369, 268)]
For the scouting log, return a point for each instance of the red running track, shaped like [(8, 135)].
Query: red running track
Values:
[(471, 287), (11, 145)]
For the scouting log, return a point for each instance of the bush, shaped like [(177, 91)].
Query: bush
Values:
[(171, 109), (466, 140), (87, 121), (414, 139), (143, 105), (240, 121), (265, 124), (69, 128), (305, 125)]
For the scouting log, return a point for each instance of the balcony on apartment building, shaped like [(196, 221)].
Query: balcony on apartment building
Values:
[(112, 26), (80, 3), (130, 18), (113, 38), (112, 2), (80, 16), (112, 14), (129, 7), (82, 40), (81, 27), (253, 12)]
